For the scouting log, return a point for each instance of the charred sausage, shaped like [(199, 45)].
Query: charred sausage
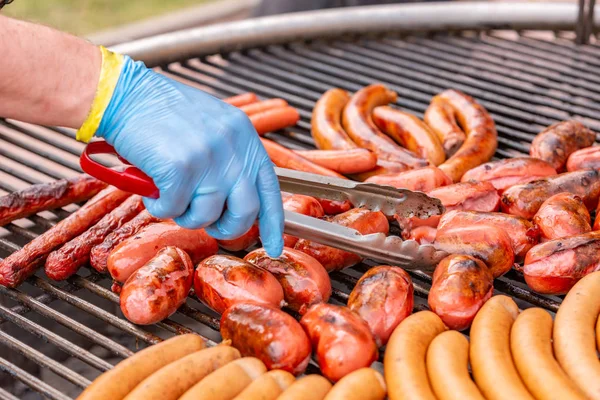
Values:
[(558, 141), (587, 158), (326, 123), (562, 215), (421, 179), (352, 161)]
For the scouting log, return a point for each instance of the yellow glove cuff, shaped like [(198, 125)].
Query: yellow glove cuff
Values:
[(112, 63)]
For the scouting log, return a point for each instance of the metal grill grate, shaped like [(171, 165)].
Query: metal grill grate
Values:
[(525, 81)]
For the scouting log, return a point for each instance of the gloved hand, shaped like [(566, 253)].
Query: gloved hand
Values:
[(204, 155)]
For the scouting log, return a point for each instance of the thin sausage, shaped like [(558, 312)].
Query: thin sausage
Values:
[(311, 386), (562, 215), (335, 207), (241, 99), (326, 122), (274, 119), (558, 141), (587, 158), (421, 179), (267, 386), (362, 384), (440, 116), (255, 108), (351, 161)]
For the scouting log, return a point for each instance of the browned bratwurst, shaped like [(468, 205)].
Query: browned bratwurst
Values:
[(383, 297), (340, 338), (326, 125), (301, 204), (562, 215), (556, 143), (461, 285), (440, 116), (588, 158), (156, 290), (222, 281), (269, 334), (525, 200), (421, 179)]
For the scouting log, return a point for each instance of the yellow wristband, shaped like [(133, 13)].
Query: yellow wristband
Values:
[(112, 63)]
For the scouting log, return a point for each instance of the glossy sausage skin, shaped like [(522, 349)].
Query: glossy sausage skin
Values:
[(340, 338), (461, 285), (383, 297), (222, 281), (269, 334), (334, 207), (360, 219), (351, 161), (440, 116), (555, 266), (558, 141), (156, 290), (510, 172), (301, 204), (304, 280), (326, 122), (248, 239), (562, 215), (588, 158), (422, 179), (525, 200), (422, 234)]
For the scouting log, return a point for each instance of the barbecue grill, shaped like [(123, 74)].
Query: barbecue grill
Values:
[(518, 60)]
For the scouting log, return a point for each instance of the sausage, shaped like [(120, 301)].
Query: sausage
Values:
[(410, 132), (491, 360), (522, 233), (383, 297), (285, 158), (573, 335), (468, 196), (159, 288), (47, 196), (99, 253), (510, 172), (242, 99), (334, 207), (360, 219), (448, 368), (304, 280), (300, 204), (404, 360), (248, 239), (421, 180), (67, 260), (333, 330), (525, 200), (558, 141), (587, 158), (228, 381), (116, 383), (359, 125), (531, 345), (274, 119), (423, 234), (383, 168), (173, 380), (461, 285), (137, 250), (268, 334), (362, 384), (261, 106), (487, 243), (440, 116), (267, 386), (481, 136), (562, 215), (555, 266), (222, 281), (596, 226), (311, 386), (351, 161), (23, 263), (326, 125)]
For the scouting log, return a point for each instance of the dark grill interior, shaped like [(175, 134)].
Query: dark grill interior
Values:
[(57, 337)]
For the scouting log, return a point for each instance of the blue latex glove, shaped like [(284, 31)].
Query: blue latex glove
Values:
[(201, 152)]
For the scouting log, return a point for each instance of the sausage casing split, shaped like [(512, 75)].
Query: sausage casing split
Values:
[(352, 161), (300, 204), (561, 216), (558, 141), (326, 122), (587, 158), (421, 179)]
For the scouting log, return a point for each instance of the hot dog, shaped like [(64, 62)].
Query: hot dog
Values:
[(221, 281), (301, 204), (558, 141), (587, 158), (422, 179), (269, 334), (351, 161), (241, 99), (258, 107), (362, 384), (334, 207), (274, 119), (312, 386), (461, 285), (156, 290), (333, 330), (440, 116), (562, 215), (383, 297), (248, 239), (326, 125), (267, 386)]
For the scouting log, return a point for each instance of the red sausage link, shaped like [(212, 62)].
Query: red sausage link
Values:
[(334, 207), (351, 161), (468, 196), (423, 234), (242, 99), (440, 116), (248, 239), (556, 143), (326, 123), (301, 204), (422, 179), (588, 158), (563, 215)]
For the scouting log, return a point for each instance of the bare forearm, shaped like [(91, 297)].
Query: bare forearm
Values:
[(46, 76)]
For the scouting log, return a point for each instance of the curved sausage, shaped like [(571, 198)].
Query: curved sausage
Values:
[(351, 161), (223, 281), (558, 141), (156, 290), (404, 360), (304, 280), (423, 234), (440, 116), (383, 297), (562, 215), (326, 125), (248, 239), (421, 180), (333, 330), (300, 204), (267, 386), (362, 384), (268, 334), (461, 285), (587, 158), (311, 386)]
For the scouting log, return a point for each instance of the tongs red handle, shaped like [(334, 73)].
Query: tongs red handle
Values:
[(129, 179)]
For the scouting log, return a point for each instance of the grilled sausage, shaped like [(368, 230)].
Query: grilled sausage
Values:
[(268, 334), (242, 99), (510, 172), (596, 226), (47, 196), (440, 116), (267, 386), (423, 234), (362, 384), (383, 168), (23, 263), (422, 179), (587, 158), (261, 106), (248, 239), (558, 141), (334, 207), (360, 219), (561, 216), (326, 125), (274, 119), (300, 204), (383, 297), (67, 260), (156, 290), (525, 200), (460, 287), (134, 252), (311, 386), (333, 330), (352, 161), (555, 266), (359, 125), (410, 132)]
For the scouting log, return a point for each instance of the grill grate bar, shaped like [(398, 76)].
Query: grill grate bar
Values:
[(31, 381), (4, 395)]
